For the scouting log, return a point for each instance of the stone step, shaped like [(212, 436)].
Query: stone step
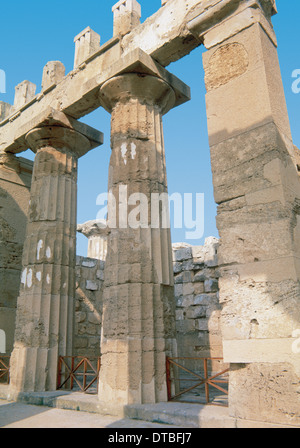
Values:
[(175, 414), (188, 415)]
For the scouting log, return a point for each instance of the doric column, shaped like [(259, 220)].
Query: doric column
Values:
[(138, 327), (15, 181), (45, 309), (257, 189), (96, 232)]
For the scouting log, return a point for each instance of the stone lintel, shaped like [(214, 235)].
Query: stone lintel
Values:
[(140, 62), (229, 17), (77, 92), (52, 117)]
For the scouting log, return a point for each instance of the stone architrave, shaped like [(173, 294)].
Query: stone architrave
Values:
[(45, 308), (257, 188), (138, 325)]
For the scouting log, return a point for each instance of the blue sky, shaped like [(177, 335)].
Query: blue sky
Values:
[(35, 32)]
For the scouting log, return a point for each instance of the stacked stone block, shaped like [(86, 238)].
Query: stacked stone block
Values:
[(88, 306), (197, 299)]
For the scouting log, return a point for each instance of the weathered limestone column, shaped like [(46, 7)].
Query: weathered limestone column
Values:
[(96, 232), (256, 186), (138, 327), (44, 323), (15, 181)]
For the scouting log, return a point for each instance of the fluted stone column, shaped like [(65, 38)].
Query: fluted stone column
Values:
[(257, 188), (44, 324), (96, 232), (138, 327), (15, 181)]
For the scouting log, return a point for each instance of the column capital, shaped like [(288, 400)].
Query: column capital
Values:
[(145, 88), (139, 63), (59, 138), (56, 129), (96, 231), (96, 227)]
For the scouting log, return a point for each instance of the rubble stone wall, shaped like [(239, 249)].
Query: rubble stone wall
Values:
[(197, 299), (88, 306)]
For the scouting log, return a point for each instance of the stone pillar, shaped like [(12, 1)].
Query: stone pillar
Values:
[(96, 232), (45, 311), (127, 15), (5, 110), (15, 181), (24, 92), (53, 73), (138, 327), (86, 44), (256, 186)]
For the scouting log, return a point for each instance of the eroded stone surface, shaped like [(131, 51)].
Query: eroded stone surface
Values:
[(96, 232), (45, 308), (256, 185)]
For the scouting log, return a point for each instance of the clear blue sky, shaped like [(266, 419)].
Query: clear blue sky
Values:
[(35, 32)]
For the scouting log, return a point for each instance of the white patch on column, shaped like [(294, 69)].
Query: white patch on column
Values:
[(124, 152), (133, 151), (23, 277), (48, 279), (48, 252), (39, 246), (29, 278), (38, 276), (2, 341)]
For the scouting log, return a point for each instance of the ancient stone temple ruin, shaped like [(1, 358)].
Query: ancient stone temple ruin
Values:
[(136, 300)]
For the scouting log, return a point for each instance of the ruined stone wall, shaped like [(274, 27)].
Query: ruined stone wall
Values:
[(88, 306), (196, 296), (197, 299), (15, 181)]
